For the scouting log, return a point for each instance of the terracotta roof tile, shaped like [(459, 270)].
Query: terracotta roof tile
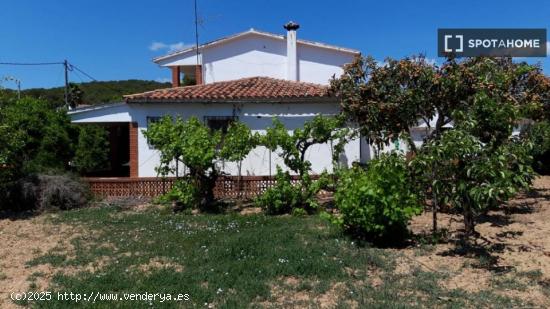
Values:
[(253, 88)]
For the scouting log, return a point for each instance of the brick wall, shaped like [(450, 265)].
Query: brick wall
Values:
[(134, 150), (176, 77)]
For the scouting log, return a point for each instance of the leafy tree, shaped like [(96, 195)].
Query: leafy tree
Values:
[(35, 138), (10, 163), (482, 98), (539, 134), (292, 148), (197, 148), (75, 95), (237, 144), (43, 135), (386, 101), (194, 145), (471, 176)]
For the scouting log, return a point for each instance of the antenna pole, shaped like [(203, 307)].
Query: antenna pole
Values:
[(66, 68), (196, 33)]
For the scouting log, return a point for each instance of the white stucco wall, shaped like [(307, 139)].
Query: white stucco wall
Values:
[(318, 65), (258, 116), (258, 55), (246, 57)]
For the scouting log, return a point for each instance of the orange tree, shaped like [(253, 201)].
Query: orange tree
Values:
[(470, 108)]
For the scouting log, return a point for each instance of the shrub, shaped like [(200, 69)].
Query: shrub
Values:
[(282, 197), (299, 212), (298, 198), (50, 192), (376, 203), (183, 195)]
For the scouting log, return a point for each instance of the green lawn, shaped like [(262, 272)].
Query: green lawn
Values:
[(236, 261)]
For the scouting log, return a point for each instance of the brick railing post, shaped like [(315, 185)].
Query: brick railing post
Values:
[(134, 173)]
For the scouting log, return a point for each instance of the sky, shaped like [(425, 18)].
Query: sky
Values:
[(117, 39)]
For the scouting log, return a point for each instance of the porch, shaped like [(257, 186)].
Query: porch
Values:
[(123, 160)]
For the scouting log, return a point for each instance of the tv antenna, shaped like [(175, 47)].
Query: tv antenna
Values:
[(196, 33)]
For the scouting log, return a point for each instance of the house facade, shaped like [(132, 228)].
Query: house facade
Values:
[(251, 77)]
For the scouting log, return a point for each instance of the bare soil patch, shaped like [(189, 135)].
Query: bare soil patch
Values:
[(514, 242), (22, 240)]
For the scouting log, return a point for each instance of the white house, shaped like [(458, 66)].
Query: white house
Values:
[(252, 77)]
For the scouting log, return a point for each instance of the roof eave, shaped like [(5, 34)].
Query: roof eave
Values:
[(203, 46), (312, 99), (93, 107), (254, 31)]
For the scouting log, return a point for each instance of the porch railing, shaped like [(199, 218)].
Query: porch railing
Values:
[(227, 187)]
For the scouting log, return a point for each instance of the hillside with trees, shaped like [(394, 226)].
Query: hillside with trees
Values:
[(96, 92)]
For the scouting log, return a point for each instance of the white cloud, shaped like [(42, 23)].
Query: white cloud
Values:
[(156, 46), (163, 80)]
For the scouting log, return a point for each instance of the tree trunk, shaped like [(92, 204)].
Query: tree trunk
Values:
[(434, 203), (469, 224), (239, 184), (434, 212)]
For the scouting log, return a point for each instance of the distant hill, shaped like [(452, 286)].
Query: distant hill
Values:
[(97, 92)]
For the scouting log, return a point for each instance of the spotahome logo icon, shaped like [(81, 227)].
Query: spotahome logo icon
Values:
[(491, 42), (460, 48)]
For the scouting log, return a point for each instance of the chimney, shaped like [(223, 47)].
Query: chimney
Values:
[(291, 50)]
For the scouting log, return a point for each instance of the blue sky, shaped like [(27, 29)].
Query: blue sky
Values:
[(114, 39)]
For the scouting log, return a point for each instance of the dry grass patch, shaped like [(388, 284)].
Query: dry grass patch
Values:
[(155, 264), (289, 292)]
